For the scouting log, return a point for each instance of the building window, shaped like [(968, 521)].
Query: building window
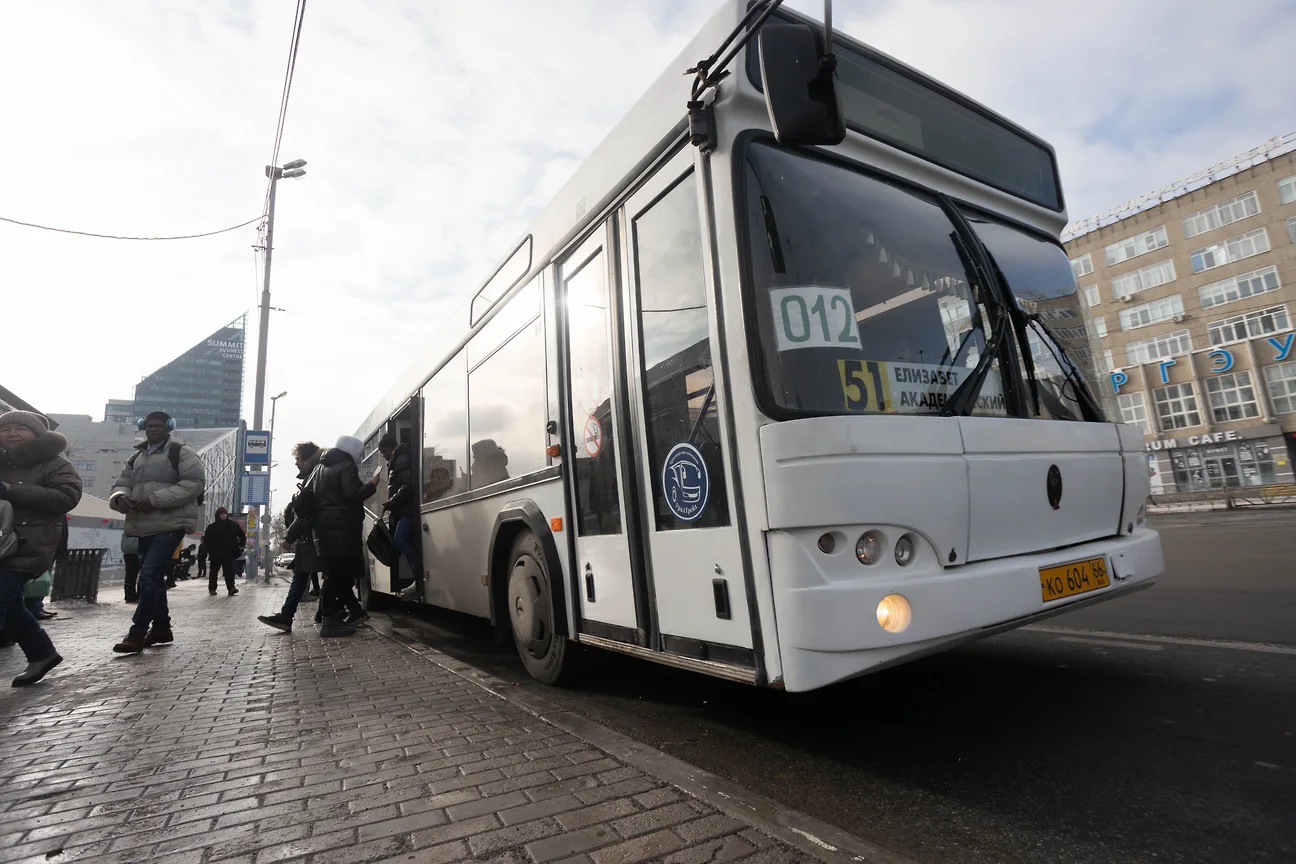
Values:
[(1150, 313), (1291, 228), (1231, 397), (1141, 280), (1091, 295), (1107, 358), (1140, 244), (1287, 190), (83, 464), (1281, 379), (1238, 287), (1226, 213), (1082, 266), (1100, 325), (1261, 322), (1176, 406), (1232, 249), (1134, 411), (1158, 347)]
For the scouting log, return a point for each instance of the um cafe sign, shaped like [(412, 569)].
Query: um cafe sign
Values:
[(1221, 361)]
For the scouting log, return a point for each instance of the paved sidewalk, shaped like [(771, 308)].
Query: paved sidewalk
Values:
[(241, 744)]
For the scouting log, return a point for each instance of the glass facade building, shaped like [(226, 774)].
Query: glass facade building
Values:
[(203, 387)]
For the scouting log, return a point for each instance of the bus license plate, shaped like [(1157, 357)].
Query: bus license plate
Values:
[(1069, 580)]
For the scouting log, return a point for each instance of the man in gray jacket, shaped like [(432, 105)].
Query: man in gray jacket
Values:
[(158, 490)]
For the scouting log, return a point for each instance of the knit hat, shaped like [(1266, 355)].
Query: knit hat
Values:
[(388, 440), (220, 510), (157, 415), (30, 419), (352, 446)]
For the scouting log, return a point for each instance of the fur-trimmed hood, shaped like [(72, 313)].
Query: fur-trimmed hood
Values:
[(43, 448)]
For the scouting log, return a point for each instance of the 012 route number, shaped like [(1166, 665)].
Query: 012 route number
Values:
[(814, 317)]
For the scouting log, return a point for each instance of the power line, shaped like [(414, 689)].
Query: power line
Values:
[(287, 88), (121, 237)]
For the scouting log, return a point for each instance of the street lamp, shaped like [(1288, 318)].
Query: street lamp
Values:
[(269, 514), (295, 168)]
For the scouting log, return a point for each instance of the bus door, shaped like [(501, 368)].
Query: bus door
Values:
[(693, 553), (596, 447)]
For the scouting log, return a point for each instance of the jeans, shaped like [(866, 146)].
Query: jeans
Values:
[(295, 592), (19, 624), (403, 538), (155, 556), (217, 564), (132, 562)]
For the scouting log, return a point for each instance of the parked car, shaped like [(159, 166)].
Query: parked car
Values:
[(285, 560)]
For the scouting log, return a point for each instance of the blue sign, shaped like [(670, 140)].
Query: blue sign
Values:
[(256, 488), (256, 448), (1222, 360), (685, 482)]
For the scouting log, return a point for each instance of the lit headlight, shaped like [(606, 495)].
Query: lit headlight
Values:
[(894, 613)]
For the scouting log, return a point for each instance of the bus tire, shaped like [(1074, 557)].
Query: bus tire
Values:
[(529, 599)]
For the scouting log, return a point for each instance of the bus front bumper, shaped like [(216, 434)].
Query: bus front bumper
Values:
[(827, 606)]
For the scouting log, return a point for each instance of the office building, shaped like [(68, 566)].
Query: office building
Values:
[(201, 389), (1190, 291), (120, 411)]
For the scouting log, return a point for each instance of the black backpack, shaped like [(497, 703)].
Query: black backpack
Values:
[(173, 453)]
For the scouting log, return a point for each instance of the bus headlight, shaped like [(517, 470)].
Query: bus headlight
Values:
[(1142, 514), (894, 613), (904, 550), (869, 547)]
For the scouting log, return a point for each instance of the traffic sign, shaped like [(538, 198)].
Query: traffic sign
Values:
[(256, 448)]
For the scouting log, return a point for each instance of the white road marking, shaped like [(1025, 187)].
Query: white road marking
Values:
[(1141, 646), (1227, 645)]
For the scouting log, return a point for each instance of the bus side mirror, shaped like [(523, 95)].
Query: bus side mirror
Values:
[(800, 86)]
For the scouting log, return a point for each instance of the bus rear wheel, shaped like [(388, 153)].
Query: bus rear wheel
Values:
[(530, 611)]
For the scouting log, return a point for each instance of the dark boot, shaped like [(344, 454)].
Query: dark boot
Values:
[(277, 621), (38, 670), (158, 636), (132, 644), (332, 626), (232, 590)]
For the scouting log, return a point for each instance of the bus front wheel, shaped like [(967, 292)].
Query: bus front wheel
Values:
[(530, 611)]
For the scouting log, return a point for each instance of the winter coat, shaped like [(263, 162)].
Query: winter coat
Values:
[(174, 498), (299, 531), (339, 501), (43, 488), (400, 480), (224, 539)]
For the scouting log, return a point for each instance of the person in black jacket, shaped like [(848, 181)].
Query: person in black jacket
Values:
[(400, 504), (224, 540), (299, 539), (337, 497)]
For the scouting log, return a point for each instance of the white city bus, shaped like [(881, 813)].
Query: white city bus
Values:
[(782, 413)]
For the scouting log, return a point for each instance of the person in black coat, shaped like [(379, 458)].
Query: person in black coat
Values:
[(224, 540), (400, 505), (299, 539), (337, 497)]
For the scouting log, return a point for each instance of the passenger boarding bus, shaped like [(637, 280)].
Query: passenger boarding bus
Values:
[(777, 411)]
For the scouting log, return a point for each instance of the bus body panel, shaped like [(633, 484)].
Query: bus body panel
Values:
[(829, 632), (1016, 506)]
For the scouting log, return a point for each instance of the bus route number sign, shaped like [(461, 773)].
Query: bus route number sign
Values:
[(814, 317)]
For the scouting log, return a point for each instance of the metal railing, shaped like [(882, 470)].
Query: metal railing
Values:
[(77, 576), (1229, 498)]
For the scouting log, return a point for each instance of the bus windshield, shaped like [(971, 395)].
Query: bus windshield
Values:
[(862, 297)]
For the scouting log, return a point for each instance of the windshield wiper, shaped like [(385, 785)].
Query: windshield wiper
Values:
[(964, 398), (1088, 404)]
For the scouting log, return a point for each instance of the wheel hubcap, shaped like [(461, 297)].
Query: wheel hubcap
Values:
[(529, 603)]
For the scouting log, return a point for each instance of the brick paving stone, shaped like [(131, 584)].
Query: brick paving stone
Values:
[(241, 745)]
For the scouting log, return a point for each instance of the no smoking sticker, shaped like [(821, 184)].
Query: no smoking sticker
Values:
[(593, 436)]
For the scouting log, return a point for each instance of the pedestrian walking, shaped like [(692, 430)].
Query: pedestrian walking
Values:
[(401, 507), (41, 488), (202, 558), (160, 491), (131, 561), (300, 539), (336, 511), (224, 540)]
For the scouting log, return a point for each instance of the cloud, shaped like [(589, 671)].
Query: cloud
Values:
[(436, 131)]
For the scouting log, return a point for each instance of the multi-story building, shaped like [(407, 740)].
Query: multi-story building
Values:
[(1191, 291), (120, 411), (201, 389)]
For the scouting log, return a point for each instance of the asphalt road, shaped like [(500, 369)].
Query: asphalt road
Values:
[(1160, 727)]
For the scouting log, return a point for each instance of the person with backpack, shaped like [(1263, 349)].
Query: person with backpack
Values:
[(160, 490), (224, 540), (38, 488)]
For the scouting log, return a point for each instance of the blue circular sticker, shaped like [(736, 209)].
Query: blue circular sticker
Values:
[(685, 482)]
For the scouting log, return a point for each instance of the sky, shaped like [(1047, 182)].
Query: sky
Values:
[(435, 131)]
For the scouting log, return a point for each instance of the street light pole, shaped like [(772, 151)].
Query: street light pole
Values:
[(275, 173), (274, 403)]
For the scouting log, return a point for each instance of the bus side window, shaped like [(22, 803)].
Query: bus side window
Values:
[(445, 431)]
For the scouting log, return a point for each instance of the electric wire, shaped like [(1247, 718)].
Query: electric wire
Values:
[(126, 237)]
